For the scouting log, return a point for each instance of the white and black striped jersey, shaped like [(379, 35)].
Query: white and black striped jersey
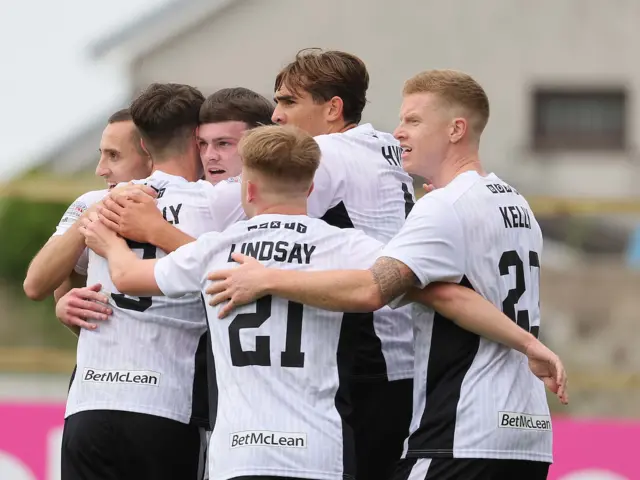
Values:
[(474, 398), (360, 184), (150, 355), (281, 368)]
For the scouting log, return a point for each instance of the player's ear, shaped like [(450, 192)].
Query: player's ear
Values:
[(142, 145), (252, 191), (458, 129), (335, 109)]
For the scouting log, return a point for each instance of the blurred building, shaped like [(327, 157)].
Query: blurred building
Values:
[(564, 85)]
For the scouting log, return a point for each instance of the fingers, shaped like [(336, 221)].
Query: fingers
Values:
[(216, 287), (218, 275), (561, 379), (428, 188), (114, 203), (219, 298), (110, 224), (78, 322), (82, 313), (226, 309), (96, 287), (242, 259)]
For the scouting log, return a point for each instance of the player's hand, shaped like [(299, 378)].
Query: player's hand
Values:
[(237, 286), (132, 214), (129, 188), (80, 304), (548, 367), (428, 188), (98, 237)]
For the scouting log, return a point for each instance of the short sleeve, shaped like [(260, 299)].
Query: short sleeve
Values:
[(431, 242), (326, 182), (182, 272), (363, 250), (225, 203), (76, 209)]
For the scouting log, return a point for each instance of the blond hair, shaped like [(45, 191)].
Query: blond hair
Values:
[(456, 89), (286, 155)]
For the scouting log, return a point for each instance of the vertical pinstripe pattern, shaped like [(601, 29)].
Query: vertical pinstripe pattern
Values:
[(474, 398), (144, 360), (361, 184), (281, 367)]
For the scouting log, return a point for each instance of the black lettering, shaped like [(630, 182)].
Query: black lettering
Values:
[(264, 225), (308, 250), (300, 228), (252, 227), (275, 224), (175, 212), (514, 215), (290, 226), (231, 250), (251, 249), (281, 251), (507, 222), (266, 251), (387, 153), (296, 253), (492, 189)]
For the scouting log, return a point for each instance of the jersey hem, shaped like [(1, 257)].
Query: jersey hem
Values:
[(276, 472), (146, 411), (490, 454)]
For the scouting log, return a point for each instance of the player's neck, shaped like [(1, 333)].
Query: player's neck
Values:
[(179, 166), (339, 127), (452, 167), (281, 209)]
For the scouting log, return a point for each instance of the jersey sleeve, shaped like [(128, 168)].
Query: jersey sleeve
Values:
[(224, 203), (363, 250), (327, 183), (76, 209), (431, 242), (183, 271)]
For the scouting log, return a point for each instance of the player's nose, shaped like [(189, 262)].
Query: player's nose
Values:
[(278, 117), (102, 171), (399, 133)]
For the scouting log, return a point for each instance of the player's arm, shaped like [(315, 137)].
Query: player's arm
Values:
[(130, 274), (58, 258), (135, 215)]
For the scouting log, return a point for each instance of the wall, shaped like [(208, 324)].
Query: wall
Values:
[(508, 45)]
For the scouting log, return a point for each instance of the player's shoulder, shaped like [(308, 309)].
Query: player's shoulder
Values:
[(89, 198)]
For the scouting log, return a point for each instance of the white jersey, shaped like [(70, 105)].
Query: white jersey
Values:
[(281, 368), (150, 355), (474, 398), (73, 213), (360, 184)]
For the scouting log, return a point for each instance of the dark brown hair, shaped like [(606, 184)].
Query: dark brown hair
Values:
[(166, 115), (237, 104), (123, 115), (329, 74), (288, 156)]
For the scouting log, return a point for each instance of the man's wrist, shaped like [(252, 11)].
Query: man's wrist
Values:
[(526, 342)]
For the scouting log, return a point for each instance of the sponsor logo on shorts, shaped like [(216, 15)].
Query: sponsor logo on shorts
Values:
[(135, 377), (263, 438), (524, 421)]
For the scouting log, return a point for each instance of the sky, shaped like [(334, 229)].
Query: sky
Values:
[(49, 87)]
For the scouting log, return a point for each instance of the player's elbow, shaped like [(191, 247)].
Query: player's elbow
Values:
[(33, 288), (121, 281), (370, 299)]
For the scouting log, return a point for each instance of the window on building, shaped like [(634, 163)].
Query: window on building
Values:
[(579, 119)]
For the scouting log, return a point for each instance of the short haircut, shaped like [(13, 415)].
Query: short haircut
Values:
[(286, 155), (237, 105), (329, 74), (124, 115), (456, 89), (167, 115)]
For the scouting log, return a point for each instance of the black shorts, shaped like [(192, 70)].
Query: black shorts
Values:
[(380, 420), (115, 445), (470, 469)]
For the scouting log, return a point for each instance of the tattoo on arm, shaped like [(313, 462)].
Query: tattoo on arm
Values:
[(392, 277)]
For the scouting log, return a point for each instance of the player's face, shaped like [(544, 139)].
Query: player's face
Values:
[(121, 159), (218, 145), (299, 109), (423, 133)]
